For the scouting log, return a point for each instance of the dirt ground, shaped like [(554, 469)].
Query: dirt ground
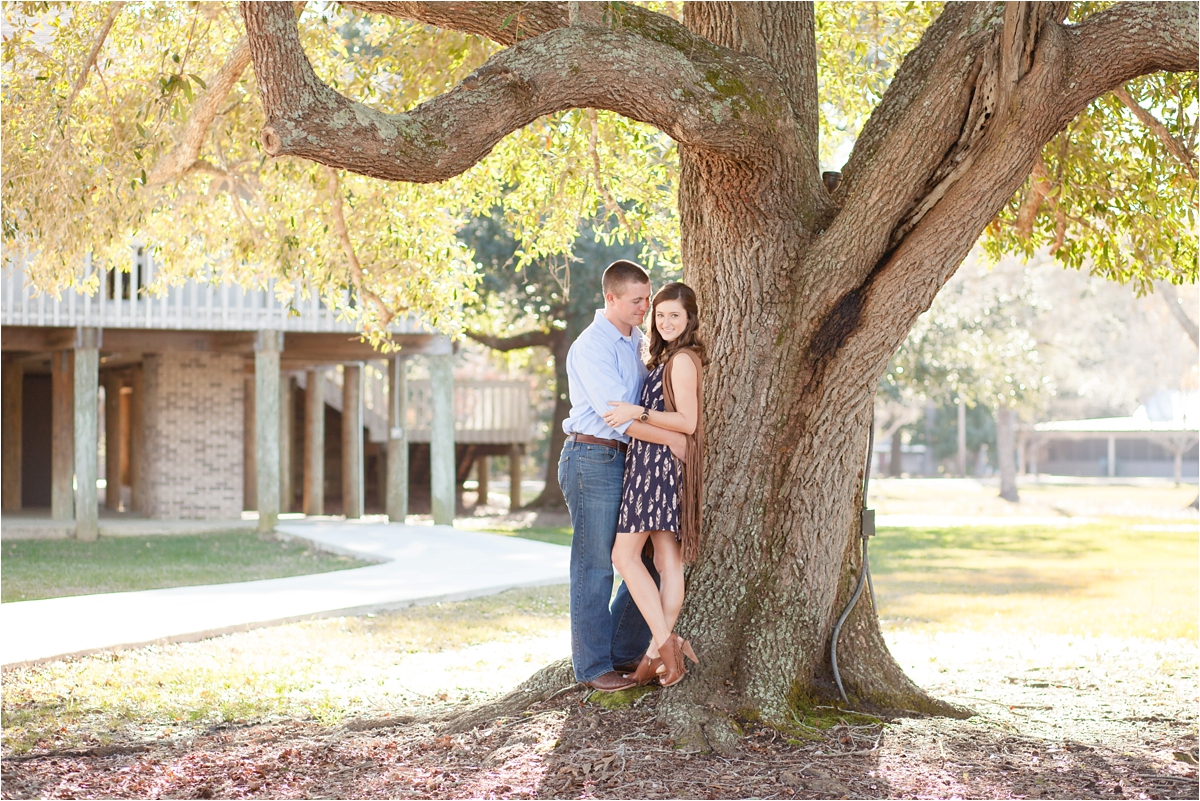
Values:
[(1058, 717)]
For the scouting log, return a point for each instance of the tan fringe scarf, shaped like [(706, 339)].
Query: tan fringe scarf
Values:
[(691, 489)]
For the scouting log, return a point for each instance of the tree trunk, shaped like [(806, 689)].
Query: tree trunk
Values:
[(552, 496), (896, 466), (787, 416), (1006, 424)]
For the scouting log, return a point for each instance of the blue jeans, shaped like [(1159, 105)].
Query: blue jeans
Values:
[(590, 477)]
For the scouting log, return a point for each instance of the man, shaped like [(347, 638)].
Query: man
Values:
[(605, 364)]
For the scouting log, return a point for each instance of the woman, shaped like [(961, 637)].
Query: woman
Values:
[(661, 498)]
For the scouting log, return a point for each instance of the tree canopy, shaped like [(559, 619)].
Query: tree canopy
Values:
[(139, 121)]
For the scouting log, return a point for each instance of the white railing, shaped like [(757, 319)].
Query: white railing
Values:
[(197, 305), (485, 412)]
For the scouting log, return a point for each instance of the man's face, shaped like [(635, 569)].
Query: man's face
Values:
[(630, 303)]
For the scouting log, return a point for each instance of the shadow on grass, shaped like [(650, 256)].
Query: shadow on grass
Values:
[(1029, 542)]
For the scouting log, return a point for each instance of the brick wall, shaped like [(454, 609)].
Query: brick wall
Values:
[(194, 429)]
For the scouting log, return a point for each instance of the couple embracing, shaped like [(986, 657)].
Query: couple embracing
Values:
[(632, 476)]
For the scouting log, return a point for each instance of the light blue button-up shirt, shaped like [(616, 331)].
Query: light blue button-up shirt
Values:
[(603, 366)]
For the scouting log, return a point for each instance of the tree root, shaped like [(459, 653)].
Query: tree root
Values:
[(700, 730), (99, 751), (541, 686), (873, 679), (370, 724)]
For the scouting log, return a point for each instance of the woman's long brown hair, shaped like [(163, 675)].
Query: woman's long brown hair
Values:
[(660, 349)]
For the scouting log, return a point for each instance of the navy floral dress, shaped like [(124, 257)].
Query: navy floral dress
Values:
[(650, 496)]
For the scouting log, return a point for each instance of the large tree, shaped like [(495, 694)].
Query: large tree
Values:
[(807, 286)]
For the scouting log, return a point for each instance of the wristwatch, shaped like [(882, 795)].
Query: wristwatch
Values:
[(645, 415)]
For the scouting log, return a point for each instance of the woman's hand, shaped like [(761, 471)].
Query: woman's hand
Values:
[(678, 446), (621, 413)]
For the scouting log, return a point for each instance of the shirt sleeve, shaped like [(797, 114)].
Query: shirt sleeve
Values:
[(598, 378)]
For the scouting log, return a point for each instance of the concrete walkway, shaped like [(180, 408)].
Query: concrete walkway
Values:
[(424, 564)]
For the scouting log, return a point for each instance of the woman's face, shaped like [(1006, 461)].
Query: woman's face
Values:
[(670, 319)]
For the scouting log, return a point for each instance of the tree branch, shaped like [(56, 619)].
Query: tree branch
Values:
[(598, 176), (187, 152), (1039, 187), (1158, 129), (101, 35), (506, 23), (1124, 41), (530, 339), (382, 311), (699, 94), (1171, 297), (945, 137)]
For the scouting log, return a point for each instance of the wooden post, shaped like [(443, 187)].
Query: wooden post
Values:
[(352, 441), (112, 441), (481, 477), (137, 440), (62, 442), (514, 477), (124, 408), (266, 427), (87, 374), (442, 469), (249, 445), (397, 444), (10, 463), (314, 443), (285, 443)]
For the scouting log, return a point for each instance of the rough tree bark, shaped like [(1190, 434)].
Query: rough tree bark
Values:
[(558, 343), (805, 294)]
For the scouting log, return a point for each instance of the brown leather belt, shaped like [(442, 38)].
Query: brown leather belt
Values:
[(587, 439)]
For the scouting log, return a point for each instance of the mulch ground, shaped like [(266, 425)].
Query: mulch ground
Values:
[(569, 748)]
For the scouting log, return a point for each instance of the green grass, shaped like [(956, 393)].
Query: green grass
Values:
[(35, 569), (1102, 579), (558, 535)]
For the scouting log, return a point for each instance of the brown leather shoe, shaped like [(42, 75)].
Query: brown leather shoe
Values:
[(610, 682), (626, 669), (672, 660), (647, 671)]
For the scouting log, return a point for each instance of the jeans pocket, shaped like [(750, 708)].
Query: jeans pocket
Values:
[(599, 454)]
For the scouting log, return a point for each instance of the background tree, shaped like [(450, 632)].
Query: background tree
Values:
[(975, 345), (807, 292), (547, 303)]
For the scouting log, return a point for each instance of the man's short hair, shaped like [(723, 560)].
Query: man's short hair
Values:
[(620, 274)]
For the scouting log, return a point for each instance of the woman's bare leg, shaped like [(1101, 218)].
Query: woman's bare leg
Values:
[(627, 559), (668, 559)]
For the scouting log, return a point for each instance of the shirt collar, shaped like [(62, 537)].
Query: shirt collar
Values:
[(610, 331)]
